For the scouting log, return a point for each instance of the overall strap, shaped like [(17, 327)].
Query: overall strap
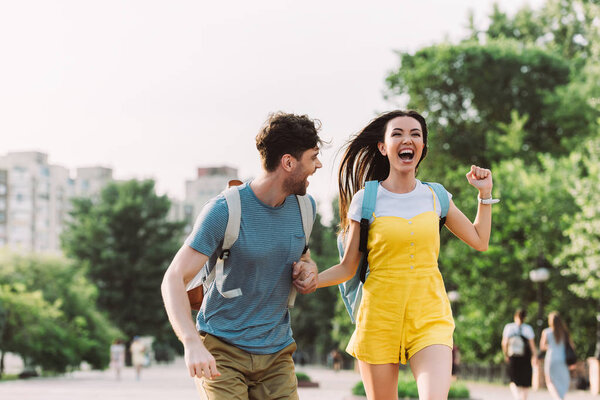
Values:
[(442, 195)]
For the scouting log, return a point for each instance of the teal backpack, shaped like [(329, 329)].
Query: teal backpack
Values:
[(351, 290)]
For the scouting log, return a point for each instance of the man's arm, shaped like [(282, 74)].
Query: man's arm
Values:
[(184, 267)]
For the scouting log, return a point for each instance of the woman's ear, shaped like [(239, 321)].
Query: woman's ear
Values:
[(381, 147)]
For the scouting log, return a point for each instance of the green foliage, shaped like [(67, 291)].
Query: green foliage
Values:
[(126, 243), (49, 312), (407, 388), (582, 254), (468, 90), (458, 391), (359, 389), (312, 315), (301, 376)]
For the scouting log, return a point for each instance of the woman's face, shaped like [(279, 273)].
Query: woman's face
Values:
[(403, 143)]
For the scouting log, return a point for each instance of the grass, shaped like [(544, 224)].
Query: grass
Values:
[(9, 377), (407, 388)]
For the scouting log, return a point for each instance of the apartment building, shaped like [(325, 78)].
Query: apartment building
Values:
[(35, 199), (209, 182)]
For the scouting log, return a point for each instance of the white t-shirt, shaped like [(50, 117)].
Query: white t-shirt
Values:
[(404, 205), (512, 329)]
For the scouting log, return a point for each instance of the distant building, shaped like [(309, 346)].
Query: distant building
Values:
[(35, 199), (90, 180), (209, 182), (3, 207)]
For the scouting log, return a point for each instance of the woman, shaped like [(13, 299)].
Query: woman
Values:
[(404, 312), (556, 369), (519, 350)]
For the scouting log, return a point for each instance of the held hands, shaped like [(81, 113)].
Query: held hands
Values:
[(481, 179), (305, 275), (200, 362)]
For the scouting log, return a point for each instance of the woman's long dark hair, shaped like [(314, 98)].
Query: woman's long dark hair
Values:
[(559, 328), (363, 162)]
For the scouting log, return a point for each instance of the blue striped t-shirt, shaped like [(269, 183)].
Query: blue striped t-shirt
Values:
[(260, 264)]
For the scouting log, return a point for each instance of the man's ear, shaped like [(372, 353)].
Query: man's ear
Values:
[(287, 162)]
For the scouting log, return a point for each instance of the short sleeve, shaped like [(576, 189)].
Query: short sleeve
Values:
[(355, 208), (528, 332), (506, 331), (209, 228)]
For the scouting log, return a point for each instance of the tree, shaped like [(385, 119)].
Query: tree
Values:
[(312, 315), (467, 90), (49, 314), (582, 254), (125, 242)]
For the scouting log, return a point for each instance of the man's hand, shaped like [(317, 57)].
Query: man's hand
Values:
[(305, 274), (199, 361)]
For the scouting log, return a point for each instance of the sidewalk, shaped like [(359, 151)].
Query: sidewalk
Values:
[(165, 382)]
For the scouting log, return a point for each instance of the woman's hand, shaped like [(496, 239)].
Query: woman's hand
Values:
[(481, 178)]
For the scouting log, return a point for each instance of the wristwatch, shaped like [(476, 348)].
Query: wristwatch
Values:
[(487, 201)]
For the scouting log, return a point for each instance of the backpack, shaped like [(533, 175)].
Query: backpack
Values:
[(202, 281), (351, 290), (517, 345)]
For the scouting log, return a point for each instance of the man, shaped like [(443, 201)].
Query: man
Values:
[(245, 346), (520, 352)]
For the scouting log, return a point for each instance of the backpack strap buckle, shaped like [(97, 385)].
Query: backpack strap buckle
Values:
[(224, 254)]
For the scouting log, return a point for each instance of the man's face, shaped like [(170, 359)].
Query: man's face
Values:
[(307, 165)]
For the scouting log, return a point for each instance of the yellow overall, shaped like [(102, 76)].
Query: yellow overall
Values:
[(404, 307)]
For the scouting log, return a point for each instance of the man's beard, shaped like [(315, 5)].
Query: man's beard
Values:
[(294, 185)]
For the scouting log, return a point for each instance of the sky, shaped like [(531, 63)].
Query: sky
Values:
[(155, 89)]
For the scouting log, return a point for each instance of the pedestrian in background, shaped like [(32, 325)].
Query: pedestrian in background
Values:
[(117, 357), (138, 356), (520, 353), (554, 340)]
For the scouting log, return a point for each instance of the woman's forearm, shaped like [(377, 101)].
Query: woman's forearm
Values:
[(335, 275)]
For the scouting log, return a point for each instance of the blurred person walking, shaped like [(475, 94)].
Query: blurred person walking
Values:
[(117, 357), (520, 353), (554, 341), (138, 356)]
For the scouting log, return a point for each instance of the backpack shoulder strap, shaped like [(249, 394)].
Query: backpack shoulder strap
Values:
[(234, 206), (307, 215), (232, 231), (306, 212), (368, 208)]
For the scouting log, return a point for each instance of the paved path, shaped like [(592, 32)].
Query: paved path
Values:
[(165, 382)]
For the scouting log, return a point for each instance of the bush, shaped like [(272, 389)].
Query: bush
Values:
[(458, 391), (301, 376), (407, 387)]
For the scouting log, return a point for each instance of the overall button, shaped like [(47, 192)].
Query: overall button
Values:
[(412, 243), (412, 256)]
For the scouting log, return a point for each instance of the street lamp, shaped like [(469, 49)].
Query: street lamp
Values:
[(539, 276), (454, 296), (597, 354)]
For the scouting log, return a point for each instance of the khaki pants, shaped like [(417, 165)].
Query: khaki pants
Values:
[(246, 376)]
